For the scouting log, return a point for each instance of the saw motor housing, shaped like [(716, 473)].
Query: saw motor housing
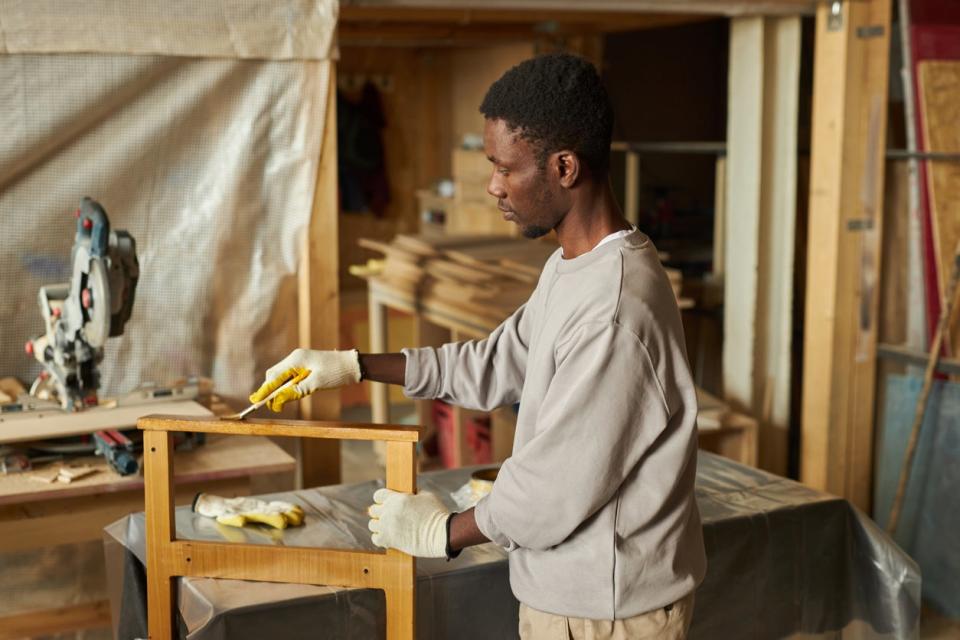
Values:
[(81, 315)]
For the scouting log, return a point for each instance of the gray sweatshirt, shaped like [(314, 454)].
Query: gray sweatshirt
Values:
[(596, 502)]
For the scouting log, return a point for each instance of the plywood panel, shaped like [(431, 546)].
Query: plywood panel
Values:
[(939, 82)]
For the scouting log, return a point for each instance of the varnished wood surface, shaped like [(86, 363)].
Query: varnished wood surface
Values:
[(276, 427), (167, 558)]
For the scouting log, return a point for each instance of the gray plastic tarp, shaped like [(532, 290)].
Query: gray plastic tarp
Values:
[(783, 559)]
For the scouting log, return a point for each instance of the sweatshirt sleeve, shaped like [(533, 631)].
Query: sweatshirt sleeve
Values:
[(603, 410), (476, 374)]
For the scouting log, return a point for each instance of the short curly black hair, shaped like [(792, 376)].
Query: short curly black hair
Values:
[(555, 101)]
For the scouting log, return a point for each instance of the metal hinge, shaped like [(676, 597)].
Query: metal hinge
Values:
[(859, 224), (871, 31), (835, 17)]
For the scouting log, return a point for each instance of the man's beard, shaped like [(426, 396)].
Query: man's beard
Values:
[(534, 231), (544, 202)]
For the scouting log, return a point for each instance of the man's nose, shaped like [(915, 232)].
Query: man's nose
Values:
[(494, 187)]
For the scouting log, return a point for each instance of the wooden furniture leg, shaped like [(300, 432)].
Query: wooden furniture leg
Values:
[(168, 558)]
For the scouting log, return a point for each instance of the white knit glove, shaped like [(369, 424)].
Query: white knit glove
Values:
[(237, 512), (311, 370), (414, 524)]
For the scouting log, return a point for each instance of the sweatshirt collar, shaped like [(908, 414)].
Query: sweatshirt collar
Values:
[(610, 243)]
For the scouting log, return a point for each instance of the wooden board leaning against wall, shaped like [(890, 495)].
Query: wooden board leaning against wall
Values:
[(844, 247), (939, 82)]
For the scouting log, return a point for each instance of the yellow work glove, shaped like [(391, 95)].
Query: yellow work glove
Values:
[(236, 512), (311, 371)]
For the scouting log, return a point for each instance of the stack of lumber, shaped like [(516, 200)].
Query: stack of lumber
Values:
[(484, 275)]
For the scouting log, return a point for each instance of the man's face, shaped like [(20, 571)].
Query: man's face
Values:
[(526, 194)]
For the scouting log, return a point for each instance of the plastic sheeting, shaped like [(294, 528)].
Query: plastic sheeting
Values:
[(930, 516), (275, 30), (782, 559), (209, 163)]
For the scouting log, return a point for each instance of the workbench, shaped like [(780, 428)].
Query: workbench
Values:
[(437, 322), (49, 556), (783, 560)]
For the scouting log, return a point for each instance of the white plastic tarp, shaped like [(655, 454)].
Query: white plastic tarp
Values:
[(197, 125)]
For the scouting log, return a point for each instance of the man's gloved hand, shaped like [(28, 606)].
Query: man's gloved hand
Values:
[(414, 524), (237, 512), (311, 371)]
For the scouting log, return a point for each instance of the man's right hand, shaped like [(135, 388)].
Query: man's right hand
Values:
[(311, 371)]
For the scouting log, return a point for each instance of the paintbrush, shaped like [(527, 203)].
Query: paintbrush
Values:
[(256, 405)]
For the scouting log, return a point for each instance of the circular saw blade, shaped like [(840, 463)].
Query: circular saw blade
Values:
[(96, 329)]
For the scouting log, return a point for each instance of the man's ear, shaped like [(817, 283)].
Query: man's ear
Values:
[(568, 168)]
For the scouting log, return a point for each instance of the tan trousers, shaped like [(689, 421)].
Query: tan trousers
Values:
[(659, 624)]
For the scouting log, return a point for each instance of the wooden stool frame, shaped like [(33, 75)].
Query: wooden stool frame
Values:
[(168, 558)]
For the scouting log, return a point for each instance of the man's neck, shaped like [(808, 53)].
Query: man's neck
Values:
[(594, 216)]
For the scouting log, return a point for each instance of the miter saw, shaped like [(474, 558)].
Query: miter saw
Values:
[(80, 315)]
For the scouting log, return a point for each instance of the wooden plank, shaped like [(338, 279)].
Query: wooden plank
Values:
[(57, 424), (939, 82), (401, 467), (761, 175), (894, 281), (401, 597), (51, 622), (220, 458), (293, 565), (451, 15), (719, 215), (158, 502), (744, 162), (772, 382), (48, 523), (319, 295), (843, 248), (277, 427), (906, 355), (709, 7)]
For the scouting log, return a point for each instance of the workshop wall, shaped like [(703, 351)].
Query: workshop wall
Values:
[(430, 98)]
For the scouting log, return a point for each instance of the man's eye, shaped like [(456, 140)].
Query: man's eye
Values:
[(502, 171)]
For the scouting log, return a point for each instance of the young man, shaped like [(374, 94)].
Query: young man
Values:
[(596, 504)]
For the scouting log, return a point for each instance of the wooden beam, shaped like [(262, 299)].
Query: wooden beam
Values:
[(772, 387), (761, 168), (319, 296), (744, 161), (550, 7), (719, 215), (851, 62), (620, 20)]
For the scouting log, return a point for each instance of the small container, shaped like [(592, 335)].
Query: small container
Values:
[(481, 482)]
